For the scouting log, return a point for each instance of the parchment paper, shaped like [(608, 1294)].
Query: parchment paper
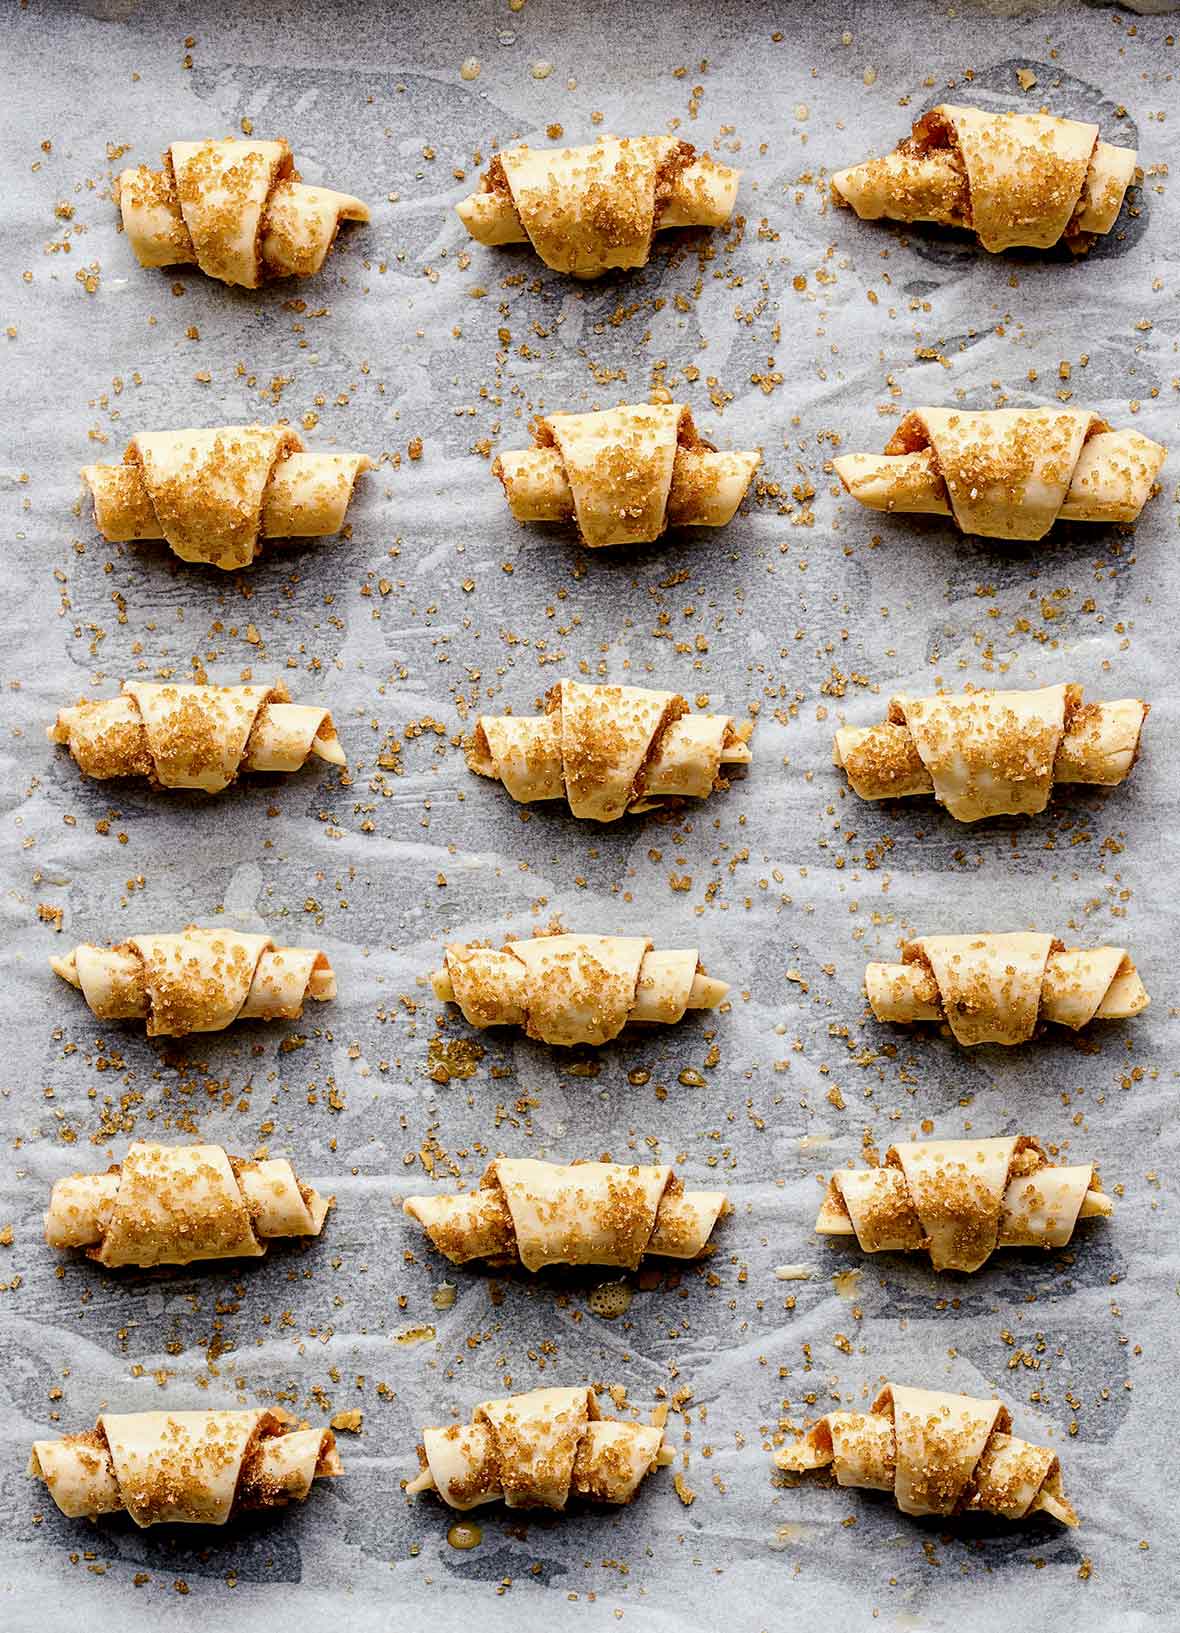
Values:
[(801, 329)]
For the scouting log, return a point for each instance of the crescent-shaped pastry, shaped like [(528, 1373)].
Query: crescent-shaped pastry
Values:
[(624, 474), (177, 1204), (184, 1468), (997, 988), (937, 1453), (543, 1213), (236, 209), (986, 754), (567, 989), (538, 1449), (1007, 473), (1010, 178), (190, 736), (197, 981), (960, 1200), (609, 750), (215, 495), (588, 209)]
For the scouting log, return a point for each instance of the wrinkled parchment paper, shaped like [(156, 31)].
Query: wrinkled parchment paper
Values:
[(801, 331)]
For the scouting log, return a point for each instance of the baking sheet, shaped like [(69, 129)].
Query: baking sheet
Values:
[(803, 327)]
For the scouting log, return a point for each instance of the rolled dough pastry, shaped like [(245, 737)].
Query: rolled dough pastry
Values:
[(236, 209), (215, 495), (1011, 178), (535, 1450), (608, 750), (937, 1453), (985, 754), (1007, 473), (188, 736), (197, 981), (543, 1213), (997, 988), (567, 989), (624, 474), (960, 1200), (184, 1468), (177, 1204), (587, 209)]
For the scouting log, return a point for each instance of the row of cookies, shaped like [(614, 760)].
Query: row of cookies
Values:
[(243, 215)]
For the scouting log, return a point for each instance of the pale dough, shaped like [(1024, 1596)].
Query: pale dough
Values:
[(544, 1213), (1011, 178), (215, 495), (236, 208), (608, 750), (194, 736)]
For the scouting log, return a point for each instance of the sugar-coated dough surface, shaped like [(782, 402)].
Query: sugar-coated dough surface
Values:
[(1013, 179), (544, 1213), (588, 209), (177, 1204), (960, 1200), (186, 1468), (608, 750), (1007, 473), (236, 208), (985, 754), (215, 495), (194, 736), (997, 987), (624, 474), (938, 1453), (199, 980), (566, 989), (538, 1449)]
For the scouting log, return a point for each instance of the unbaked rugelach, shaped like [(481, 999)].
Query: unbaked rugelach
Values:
[(184, 1468), (624, 475), (180, 1204), (1011, 178), (999, 987), (588, 209), (544, 1213), (566, 989), (181, 735), (537, 1450), (236, 208), (984, 754), (937, 1453), (961, 1200), (199, 980), (609, 750), (1007, 473), (215, 495)]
